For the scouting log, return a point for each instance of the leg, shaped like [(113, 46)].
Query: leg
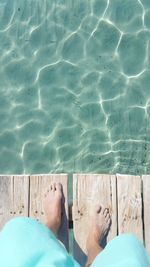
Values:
[(100, 223), (30, 243)]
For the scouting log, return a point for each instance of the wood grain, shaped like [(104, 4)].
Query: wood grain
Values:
[(14, 192), (130, 205), (90, 190)]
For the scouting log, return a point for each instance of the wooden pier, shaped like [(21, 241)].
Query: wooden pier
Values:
[(126, 196)]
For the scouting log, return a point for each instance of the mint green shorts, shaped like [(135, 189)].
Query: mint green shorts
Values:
[(25, 242)]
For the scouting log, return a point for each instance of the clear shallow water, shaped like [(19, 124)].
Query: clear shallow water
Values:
[(74, 86)]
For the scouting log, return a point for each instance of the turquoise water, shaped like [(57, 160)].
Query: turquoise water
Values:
[(74, 86)]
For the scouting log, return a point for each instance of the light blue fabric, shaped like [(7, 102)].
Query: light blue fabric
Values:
[(124, 250), (25, 242)]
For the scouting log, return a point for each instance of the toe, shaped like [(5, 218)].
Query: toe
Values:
[(102, 210), (105, 212), (59, 187), (107, 217), (53, 187), (109, 222), (98, 208)]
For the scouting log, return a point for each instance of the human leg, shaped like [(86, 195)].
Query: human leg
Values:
[(30, 243), (100, 223), (123, 250)]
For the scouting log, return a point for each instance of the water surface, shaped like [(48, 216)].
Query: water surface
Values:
[(74, 86)]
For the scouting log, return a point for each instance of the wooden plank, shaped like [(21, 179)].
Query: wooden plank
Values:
[(90, 190), (13, 197), (146, 202), (130, 205), (39, 184)]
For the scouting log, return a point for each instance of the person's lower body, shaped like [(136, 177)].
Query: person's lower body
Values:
[(25, 242)]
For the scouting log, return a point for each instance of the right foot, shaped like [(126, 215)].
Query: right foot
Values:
[(99, 226)]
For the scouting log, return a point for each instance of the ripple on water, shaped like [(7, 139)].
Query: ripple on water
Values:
[(109, 86), (135, 48), (8, 140), (147, 19), (145, 3), (18, 72), (99, 7), (73, 48), (66, 152), (72, 14), (10, 162), (91, 115), (74, 86), (6, 12), (70, 76), (27, 96), (90, 162), (68, 135), (105, 38), (87, 25), (34, 154), (122, 14)]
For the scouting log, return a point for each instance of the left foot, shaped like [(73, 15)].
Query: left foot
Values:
[(53, 207)]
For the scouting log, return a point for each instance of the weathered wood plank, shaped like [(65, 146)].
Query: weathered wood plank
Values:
[(146, 202), (13, 197), (129, 205), (39, 184), (90, 190)]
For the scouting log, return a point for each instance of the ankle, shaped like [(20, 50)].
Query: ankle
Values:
[(92, 251), (92, 244), (92, 241)]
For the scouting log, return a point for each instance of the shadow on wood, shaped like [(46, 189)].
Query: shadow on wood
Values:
[(79, 255), (62, 236)]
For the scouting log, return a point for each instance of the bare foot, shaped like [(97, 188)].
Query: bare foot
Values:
[(53, 207), (100, 223)]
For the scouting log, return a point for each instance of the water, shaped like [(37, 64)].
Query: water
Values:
[(74, 86)]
